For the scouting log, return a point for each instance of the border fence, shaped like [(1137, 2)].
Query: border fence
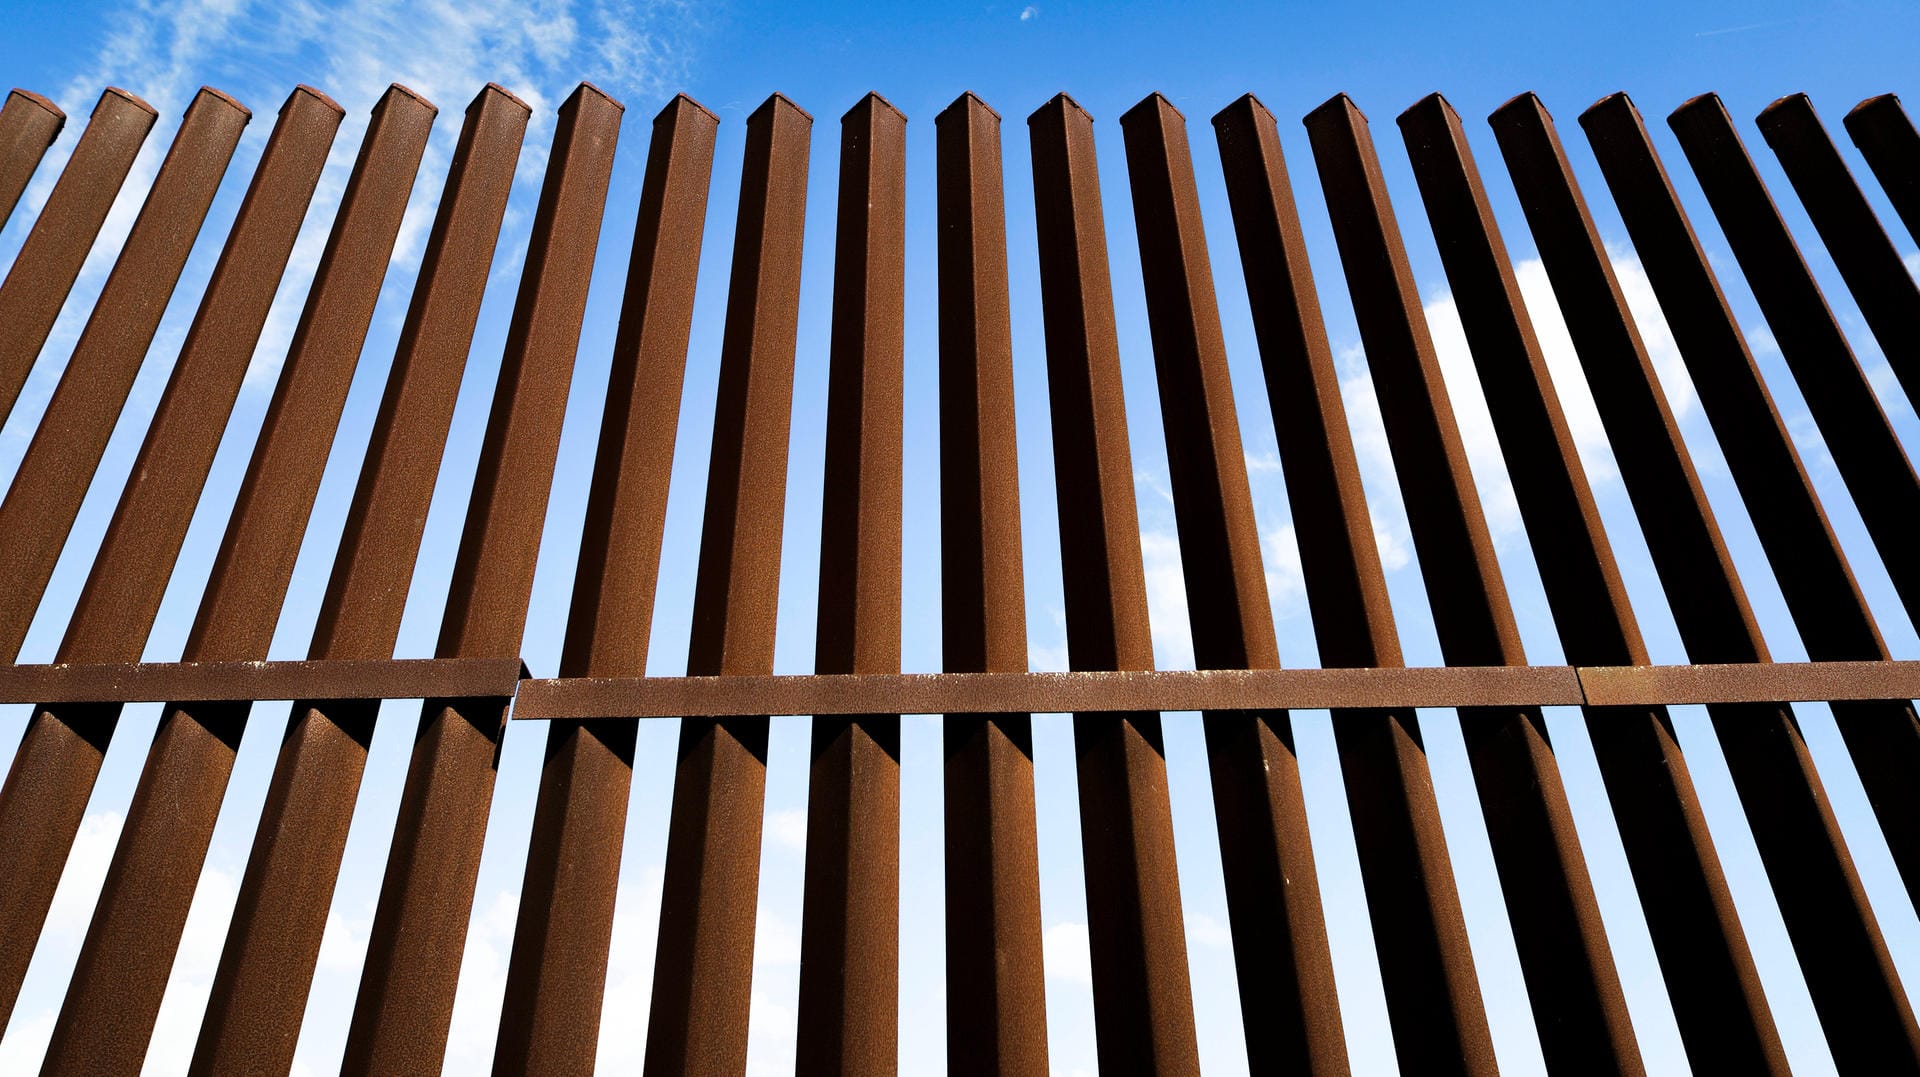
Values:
[(996, 1013)]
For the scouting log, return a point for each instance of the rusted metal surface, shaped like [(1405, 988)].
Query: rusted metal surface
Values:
[(40, 506), (124, 964), (1718, 1000), (850, 922), (1806, 856), (557, 973), (28, 125), (1143, 1006), (412, 970), (1887, 139), (273, 941), (50, 259), (1886, 293), (59, 756), (1426, 961), (188, 682), (996, 991), (703, 964), (1858, 436), (1572, 984), (1288, 999)]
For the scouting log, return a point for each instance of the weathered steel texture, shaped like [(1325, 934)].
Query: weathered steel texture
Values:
[(1855, 429), (1887, 139), (556, 976), (1143, 1006), (1718, 1000), (1869, 1021), (412, 970), (1886, 293), (186, 682), (53, 476), (1579, 1008), (122, 971), (59, 756), (703, 966), (260, 989), (1288, 1000), (28, 125), (1750, 683), (50, 259), (850, 916), (1426, 961), (996, 991)]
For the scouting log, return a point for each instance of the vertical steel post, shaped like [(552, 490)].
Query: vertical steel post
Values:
[(703, 964), (556, 977), (1886, 292), (1426, 961), (1887, 139), (412, 970), (996, 990), (1143, 1004), (50, 259), (53, 772), (28, 125), (850, 920), (122, 971), (273, 941), (1288, 1000)]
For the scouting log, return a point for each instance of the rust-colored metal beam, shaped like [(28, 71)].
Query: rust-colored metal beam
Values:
[(556, 977), (1579, 1007), (53, 476), (1143, 1004), (28, 125), (850, 916), (273, 941), (52, 776), (1835, 932), (50, 259), (1426, 960), (996, 990), (703, 964), (121, 974), (1887, 139), (1718, 1000), (1288, 1001), (1886, 292), (1852, 424), (405, 1005)]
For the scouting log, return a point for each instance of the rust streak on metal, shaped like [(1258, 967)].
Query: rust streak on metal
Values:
[(557, 973), (405, 1005), (53, 476), (50, 259), (1572, 984), (1836, 935), (704, 960), (1288, 1000), (1887, 139), (60, 755), (1857, 434), (1867, 260), (274, 938), (28, 125), (1143, 1003), (850, 922), (996, 992), (1426, 961)]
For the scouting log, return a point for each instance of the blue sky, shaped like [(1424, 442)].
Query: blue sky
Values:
[(730, 56)]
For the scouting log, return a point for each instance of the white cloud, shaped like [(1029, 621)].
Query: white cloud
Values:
[(1286, 580), (787, 829), (1029, 13), (1066, 952), (1205, 930), (1912, 262), (1166, 599), (191, 982)]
